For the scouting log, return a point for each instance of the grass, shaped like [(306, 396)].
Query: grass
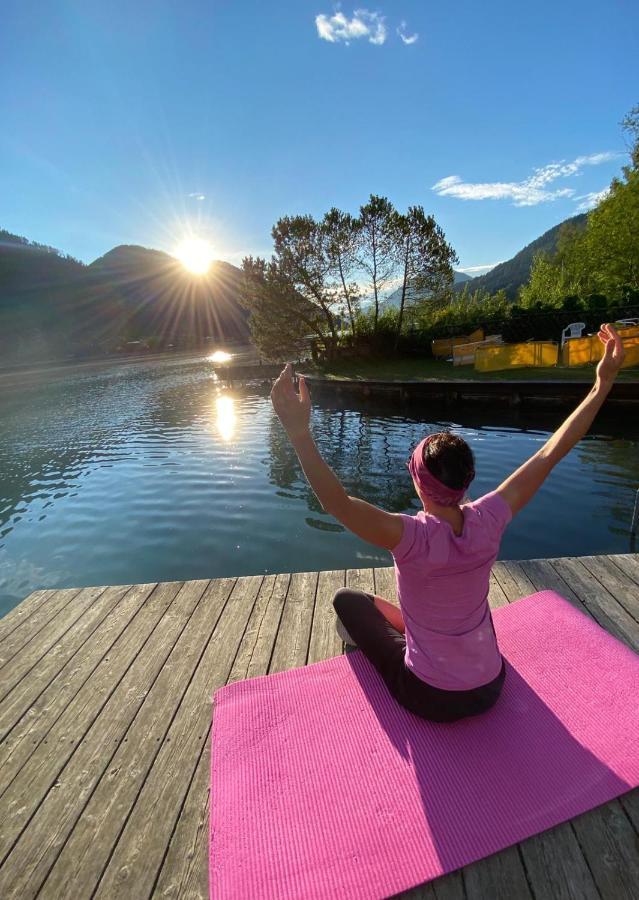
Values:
[(426, 368)]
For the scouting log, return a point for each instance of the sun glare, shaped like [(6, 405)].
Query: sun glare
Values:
[(220, 356), (196, 255)]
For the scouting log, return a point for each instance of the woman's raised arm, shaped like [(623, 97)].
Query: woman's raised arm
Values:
[(522, 485), (374, 525)]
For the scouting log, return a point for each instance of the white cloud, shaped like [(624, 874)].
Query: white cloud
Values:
[(589, 201), (529, 192), (478, 270), (407, 38), (196, 196), (363, 24)]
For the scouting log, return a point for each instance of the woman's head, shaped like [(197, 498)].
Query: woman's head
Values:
[(442, 467)]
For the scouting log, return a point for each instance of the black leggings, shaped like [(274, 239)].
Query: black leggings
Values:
[(384, 646)]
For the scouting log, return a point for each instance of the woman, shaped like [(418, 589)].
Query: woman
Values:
[(438, 652)]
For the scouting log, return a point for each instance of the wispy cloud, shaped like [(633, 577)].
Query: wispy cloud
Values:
[(478, 270), (196, 196), (529, 192), (589, 201), (407, 39), (363, 24)]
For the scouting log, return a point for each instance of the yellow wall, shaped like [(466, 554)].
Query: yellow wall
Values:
[(631, 346), (585, 350), (464, 354), (513, 356), (444, 346)]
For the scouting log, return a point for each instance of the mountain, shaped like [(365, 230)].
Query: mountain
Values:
[(461, 277), (510, 275), (394, 299), (52, 306)]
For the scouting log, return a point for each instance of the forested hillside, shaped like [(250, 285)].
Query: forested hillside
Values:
[(509, 276)]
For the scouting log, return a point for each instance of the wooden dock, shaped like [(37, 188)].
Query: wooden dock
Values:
[(105, 706)]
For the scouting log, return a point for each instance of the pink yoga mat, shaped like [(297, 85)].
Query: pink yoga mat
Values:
[(322, 786)]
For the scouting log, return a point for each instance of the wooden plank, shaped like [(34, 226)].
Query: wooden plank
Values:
[(556, 866), (27, 691), (87, 849), (39, 845), (23, 611), (291, 645), (496, 594), (447, 887), (512, 579), (325, 642), (545, 578), (361, 580), (32, 626), (184, 871), (599, 601), (498, 877), (44, 641), (386, 584), (18, 747), (40, 772), (623, 589), (610, 845), (628, 563), (251, 635), (137, 858), (630, 804)]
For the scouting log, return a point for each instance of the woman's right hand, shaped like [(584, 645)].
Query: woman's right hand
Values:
[(613, 354)]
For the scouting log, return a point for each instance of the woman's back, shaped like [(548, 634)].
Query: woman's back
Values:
[(442, 582)]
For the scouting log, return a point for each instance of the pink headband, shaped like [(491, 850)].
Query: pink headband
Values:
[(426, 481)]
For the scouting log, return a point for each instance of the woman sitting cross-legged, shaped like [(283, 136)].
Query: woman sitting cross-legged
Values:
[(437, 653)]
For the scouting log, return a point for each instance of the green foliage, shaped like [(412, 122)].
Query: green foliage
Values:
[(281, 318)]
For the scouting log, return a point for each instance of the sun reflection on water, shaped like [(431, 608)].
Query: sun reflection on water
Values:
[(226, 419)]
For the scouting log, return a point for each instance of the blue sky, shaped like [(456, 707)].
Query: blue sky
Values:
[(139, 122)]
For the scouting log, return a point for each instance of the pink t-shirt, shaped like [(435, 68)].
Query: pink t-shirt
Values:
[(442, 584)]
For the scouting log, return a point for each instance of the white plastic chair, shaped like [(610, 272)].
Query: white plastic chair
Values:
[(627, 322), (574, 330)]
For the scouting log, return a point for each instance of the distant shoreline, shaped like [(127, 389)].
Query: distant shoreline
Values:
[(52, 367)]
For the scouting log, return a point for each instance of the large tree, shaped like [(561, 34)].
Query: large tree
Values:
[(424, 258), (303, 258), (281, 319), (375, 252), (341, 246)]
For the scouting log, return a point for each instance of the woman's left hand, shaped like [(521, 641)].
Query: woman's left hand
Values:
[(293, 409)]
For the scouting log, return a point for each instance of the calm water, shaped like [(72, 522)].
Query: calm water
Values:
[(153, 471)]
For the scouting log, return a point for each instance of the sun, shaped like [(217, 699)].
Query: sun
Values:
[(196, 255)]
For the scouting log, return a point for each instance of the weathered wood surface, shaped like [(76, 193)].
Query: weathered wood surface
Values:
[(105, 737)]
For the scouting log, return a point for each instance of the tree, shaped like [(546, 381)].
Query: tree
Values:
[(630, 125), (281, 319), (302, 257), (424, 257), (375, 251), (341, 235), (548, 283)]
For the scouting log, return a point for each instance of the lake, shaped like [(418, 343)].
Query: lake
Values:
[(154, 471)]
